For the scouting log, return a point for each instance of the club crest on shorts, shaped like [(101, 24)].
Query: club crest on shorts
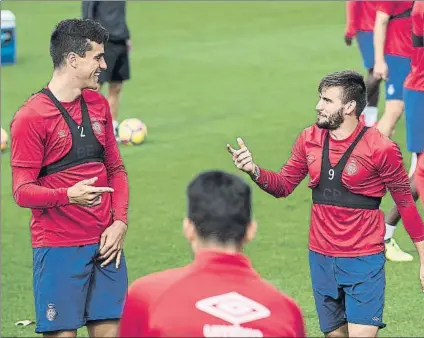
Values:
[(97, 128), (51, 312), (352, 168)]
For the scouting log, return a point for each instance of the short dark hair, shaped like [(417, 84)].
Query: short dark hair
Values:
[(219, 205), (353, 87), (74, 36)]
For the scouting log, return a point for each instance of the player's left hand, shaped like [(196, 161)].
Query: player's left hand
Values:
[(348, 40), (112, 242)]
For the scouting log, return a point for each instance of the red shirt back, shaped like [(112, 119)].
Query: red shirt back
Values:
[(360, 16), (415, 79), (398, 35), (218, 295), (41, 136)]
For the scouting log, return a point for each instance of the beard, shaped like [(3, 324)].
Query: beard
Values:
[(333, 122)]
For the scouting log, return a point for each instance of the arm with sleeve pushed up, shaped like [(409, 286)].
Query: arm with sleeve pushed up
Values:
[(27, 152), (395, 177), (117, 174), (384, 10), (282, 183)]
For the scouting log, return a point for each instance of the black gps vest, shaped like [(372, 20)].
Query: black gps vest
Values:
[(330, 189), (85, 146)]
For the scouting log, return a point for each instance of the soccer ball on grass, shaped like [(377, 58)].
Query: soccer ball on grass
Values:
[(132, 131)]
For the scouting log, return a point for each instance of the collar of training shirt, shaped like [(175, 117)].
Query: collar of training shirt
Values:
[(211, 259)]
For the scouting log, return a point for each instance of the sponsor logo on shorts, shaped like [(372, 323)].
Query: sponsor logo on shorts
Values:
[(51, 312), (235, 309), (391, 89)]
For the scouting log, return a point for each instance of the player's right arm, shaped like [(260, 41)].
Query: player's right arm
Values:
[(352, 8), (281, 183), (27, 152), (382, 17)]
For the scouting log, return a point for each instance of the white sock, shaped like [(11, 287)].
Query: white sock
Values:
[(370, 115), (390, 229), (414, 159), (115, 126)]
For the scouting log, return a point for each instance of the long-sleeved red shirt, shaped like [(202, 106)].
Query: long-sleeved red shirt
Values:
[(40, 136), (415, 79), (218, 295), (419, 178), (399, 31), (375, 164), (360, 17)]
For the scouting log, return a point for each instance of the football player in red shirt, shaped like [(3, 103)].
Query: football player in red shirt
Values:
[(392, 49), (413, 98), (219, 294), (350, 166), (67, 169), (360, 19)]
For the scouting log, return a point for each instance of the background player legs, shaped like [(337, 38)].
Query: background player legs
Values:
[(340, 332), (393, 252), (392, 112), (357, 330), (61, 334), (373, 93), (103, 328), (113, 97)]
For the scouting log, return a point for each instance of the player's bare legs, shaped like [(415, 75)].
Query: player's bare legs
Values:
[(60, 334), (341, 332), (370, 113), (113, 97), (357, 330), (392, 113), (103, 328)]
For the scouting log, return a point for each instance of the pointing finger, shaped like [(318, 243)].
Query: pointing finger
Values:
[(99, 189), (230, 149), (89, 181), (240, 142)]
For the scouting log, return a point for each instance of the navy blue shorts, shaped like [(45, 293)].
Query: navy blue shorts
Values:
[(71, 289), (348, 290), (399, 68), (366, 47), (414, 116)]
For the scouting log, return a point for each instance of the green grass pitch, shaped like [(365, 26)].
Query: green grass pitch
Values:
[(204, 73)]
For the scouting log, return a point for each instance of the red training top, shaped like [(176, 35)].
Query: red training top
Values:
[(218, 295), (41, 136), (415, 79), (360, 17), (398, 35), (375, 164)]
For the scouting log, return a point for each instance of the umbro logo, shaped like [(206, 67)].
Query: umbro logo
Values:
[(233, 308)]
